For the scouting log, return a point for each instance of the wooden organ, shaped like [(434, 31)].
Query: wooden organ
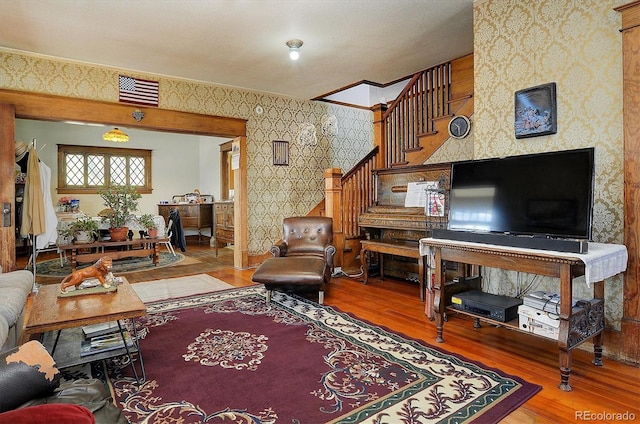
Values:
[(388, 222)]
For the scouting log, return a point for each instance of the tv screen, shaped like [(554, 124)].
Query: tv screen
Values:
[(549, 194)]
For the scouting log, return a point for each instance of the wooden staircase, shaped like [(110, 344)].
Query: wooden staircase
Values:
[(406, 134), (430, 142)]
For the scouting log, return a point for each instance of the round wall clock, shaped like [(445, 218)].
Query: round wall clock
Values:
[(459, 126)]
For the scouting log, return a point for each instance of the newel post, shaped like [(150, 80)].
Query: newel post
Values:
[(333, 208), (379, 130)]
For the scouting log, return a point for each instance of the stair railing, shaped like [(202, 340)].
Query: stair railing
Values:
[(426, 97), (358, 193)]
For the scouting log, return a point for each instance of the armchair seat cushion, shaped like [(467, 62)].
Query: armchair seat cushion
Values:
[(15, 287), (290, 271), (90, 393), (14, 299), (4, 331)]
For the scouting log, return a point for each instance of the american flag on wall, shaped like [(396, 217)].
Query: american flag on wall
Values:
[(142, 92)]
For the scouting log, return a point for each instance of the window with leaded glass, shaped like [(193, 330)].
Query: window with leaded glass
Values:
[(84, 169)]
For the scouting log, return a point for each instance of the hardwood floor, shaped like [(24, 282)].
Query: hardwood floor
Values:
[(599, 393)]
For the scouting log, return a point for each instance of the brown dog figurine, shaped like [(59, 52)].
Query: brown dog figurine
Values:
[(98, 270)]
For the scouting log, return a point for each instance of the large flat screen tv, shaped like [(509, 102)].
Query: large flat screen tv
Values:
[(544, 194)]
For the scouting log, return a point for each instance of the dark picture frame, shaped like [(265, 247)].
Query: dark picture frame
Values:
[(280, 153), (536, 111)]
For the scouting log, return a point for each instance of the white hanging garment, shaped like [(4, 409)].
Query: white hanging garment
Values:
[(50, 235)]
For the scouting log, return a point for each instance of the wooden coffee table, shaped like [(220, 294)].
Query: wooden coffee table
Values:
[(148, 247), (51, 314)]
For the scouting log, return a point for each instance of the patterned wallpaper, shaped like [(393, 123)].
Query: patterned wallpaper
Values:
[(517, 44), (455, 149), (577, 44), (274, 192)]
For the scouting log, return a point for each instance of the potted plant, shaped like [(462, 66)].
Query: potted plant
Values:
[(147, 221), (84, 230), (121, 202), (65, 236)]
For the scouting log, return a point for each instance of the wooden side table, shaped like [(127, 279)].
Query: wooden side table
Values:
[(50, 313)]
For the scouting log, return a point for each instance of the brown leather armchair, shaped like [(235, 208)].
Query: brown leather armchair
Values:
[(303, 259)]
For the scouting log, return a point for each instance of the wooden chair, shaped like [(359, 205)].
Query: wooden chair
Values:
[(167, 234)]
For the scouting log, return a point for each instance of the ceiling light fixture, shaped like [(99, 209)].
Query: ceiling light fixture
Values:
[(116, 136), (294, 48)]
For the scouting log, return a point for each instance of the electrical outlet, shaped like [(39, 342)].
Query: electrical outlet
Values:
[(337, 271)]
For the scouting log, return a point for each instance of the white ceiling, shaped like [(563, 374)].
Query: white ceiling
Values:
[(241, 43)]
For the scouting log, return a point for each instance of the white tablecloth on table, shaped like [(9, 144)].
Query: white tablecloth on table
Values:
[(603, 260)]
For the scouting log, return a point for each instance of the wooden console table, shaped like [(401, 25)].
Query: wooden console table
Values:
[(149, 247), (400, 248), (601, 262)]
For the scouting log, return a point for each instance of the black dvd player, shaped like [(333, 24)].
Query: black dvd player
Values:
[(487, 305)]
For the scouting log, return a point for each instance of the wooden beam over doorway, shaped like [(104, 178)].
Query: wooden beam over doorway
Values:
[(47, 107)]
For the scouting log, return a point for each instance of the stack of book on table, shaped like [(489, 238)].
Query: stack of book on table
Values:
[(539, 314), (103, 337)]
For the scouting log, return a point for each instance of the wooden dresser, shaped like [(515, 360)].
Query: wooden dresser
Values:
[(192, 215), (223, 213)]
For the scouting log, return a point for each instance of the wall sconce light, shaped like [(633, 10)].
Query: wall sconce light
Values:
[(329, 125), (294, 48), (307, 135), (137, 115), (116, 136)]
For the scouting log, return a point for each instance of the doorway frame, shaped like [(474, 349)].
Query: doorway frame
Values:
[(45, 107)]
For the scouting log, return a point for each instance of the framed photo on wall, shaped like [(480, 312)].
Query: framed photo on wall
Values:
[(535, 111)]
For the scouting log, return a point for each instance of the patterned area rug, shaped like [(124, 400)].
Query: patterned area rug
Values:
[(52, 268), (229, 357)]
